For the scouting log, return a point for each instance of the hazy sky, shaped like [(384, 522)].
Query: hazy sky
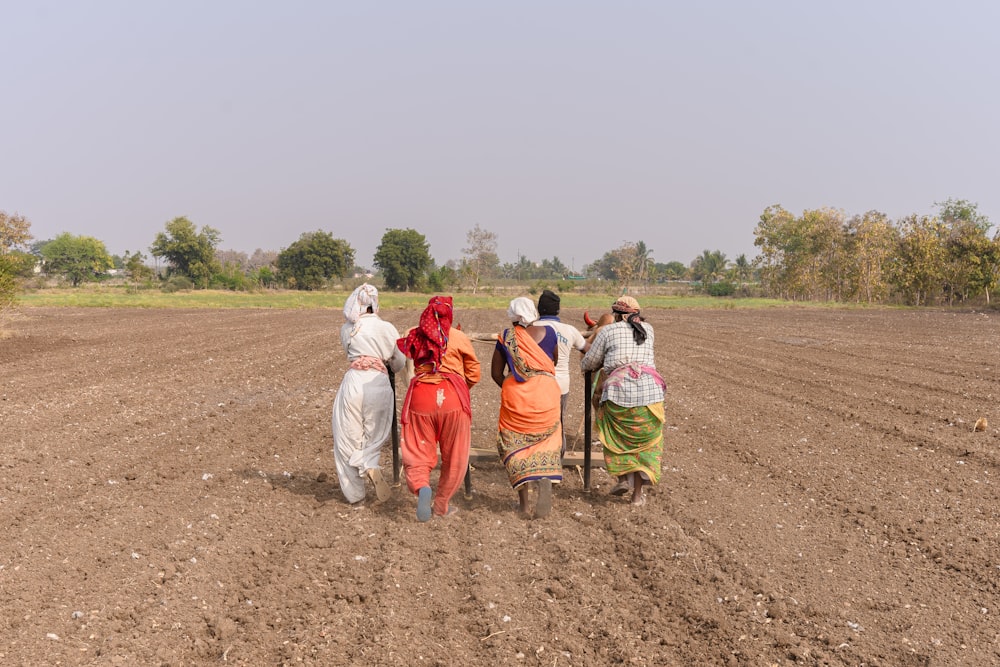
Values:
[(567, 128)]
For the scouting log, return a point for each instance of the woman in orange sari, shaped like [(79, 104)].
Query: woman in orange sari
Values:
[(529, 434)]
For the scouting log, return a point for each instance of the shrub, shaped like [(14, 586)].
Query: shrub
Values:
[(721, 288), (566, 286), (178, 284)]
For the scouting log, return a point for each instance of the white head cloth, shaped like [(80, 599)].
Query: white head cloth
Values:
[(356, 304), (522, 311)]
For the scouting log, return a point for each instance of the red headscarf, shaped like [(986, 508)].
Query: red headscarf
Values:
[(427, 342)]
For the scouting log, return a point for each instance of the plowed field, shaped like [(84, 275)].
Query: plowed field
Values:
[(168, 497)]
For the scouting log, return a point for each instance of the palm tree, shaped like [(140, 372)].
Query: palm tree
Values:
[(643, 257), (709, 266), (742, 269)]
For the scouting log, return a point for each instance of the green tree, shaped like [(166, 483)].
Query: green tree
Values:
[(742, 269), (442, 278), (802, 257), (625, 264), (643, 261), (15, 266), (971, 257), (774, 236), (78, 258), (823, 260), (710, 266), (872, 243), (138, 270), (953, 210), (481, 259), (921, 256), (189, 252), (15, 232), (622, 265), (523, 270), (602, 268), (553, 268), (404, 258), (312, 261), (668, 271)]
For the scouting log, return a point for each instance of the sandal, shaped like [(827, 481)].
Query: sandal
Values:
[(382, 490)]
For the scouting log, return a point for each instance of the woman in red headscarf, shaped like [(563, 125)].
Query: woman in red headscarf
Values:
[(437, 411)]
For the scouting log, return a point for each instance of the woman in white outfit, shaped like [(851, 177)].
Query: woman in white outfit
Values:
[(363, 408)]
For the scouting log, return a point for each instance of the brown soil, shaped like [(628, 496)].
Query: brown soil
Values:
[(168, 496)]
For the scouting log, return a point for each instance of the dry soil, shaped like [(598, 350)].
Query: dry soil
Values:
[(168, 497)]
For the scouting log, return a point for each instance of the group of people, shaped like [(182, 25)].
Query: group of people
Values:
[(530, 364)]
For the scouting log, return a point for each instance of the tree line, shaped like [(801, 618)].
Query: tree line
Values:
[(818, 255), (822, 255), (191, 258)]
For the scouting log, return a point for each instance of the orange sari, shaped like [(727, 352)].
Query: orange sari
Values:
[(529, 435)]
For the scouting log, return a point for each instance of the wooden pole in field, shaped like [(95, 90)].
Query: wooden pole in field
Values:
[(396, 462), (587, 432)]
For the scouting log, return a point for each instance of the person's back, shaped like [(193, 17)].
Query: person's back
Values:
[(371, 336), (631, 413), (437, 410), (614, 348), (460, 358), (568, 338), (621, 348), (528, 429), (363, 406)]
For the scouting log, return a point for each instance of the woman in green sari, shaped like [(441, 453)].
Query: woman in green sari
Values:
[(630, 415)]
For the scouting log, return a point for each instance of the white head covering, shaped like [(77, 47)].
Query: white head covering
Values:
[(356, 304), (522, 311)]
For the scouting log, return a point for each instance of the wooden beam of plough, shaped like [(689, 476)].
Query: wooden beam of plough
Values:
[(481, 337), (477, 337)]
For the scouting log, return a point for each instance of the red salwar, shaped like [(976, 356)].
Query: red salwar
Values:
[(436, 418), (438, 412)]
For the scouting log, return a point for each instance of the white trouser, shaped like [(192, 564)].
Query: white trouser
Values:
[(362, 421)]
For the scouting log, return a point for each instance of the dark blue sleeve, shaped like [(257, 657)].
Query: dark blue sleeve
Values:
[(550, 342)]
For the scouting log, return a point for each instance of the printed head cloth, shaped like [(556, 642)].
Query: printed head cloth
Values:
[(361, 299), (522, 311), (428, 341), (626, 305)]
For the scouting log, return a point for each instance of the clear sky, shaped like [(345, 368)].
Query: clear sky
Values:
[(566, 127)]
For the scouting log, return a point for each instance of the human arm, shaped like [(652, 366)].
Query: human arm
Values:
[(576, 339), (394, 358), (471, 369), (594, 358), (345, 337), (498, 365)]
